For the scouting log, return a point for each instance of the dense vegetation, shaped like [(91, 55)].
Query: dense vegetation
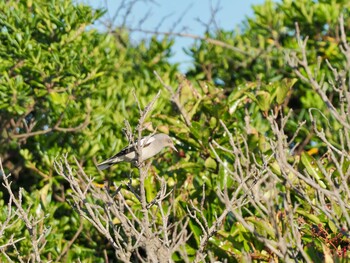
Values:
[(261, 122)]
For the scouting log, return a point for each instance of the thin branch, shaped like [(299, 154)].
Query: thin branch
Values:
[(30, 225), (175, 98), (196, 37), (56, 127)]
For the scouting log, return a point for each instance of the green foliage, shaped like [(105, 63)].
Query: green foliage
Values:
[(262, 44), (67, 88), (58, 80)]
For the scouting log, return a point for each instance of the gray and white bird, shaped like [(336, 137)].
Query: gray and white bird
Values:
[(150, 145)]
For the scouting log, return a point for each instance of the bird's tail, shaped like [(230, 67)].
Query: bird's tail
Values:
[(104, 165)]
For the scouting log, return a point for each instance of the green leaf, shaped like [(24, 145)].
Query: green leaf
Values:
[(311, 217), (312, 168), (45, 195), (196, 130), (283, 88), (332, 226), (263, 99), (59, 98), (195, 230), (262, 227), (151, 188), (211, 164)]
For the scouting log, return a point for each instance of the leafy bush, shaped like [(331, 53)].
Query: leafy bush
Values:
[(261, 123)]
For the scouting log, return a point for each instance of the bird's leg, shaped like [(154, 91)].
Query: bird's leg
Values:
[(138, 164)]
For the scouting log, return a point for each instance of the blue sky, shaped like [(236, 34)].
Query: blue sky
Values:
[(184, 14)]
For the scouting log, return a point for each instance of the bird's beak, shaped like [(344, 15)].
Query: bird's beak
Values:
[(173, 147)]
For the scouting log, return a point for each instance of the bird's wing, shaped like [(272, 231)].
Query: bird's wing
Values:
[(129, 150), (132, 148)]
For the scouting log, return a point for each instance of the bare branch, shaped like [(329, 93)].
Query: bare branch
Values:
[(30, 222), (56, 127)]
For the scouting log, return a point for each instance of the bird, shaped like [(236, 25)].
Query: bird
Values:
[(150, 145)]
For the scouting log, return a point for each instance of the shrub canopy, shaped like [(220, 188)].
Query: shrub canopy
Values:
[(252, 118)]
